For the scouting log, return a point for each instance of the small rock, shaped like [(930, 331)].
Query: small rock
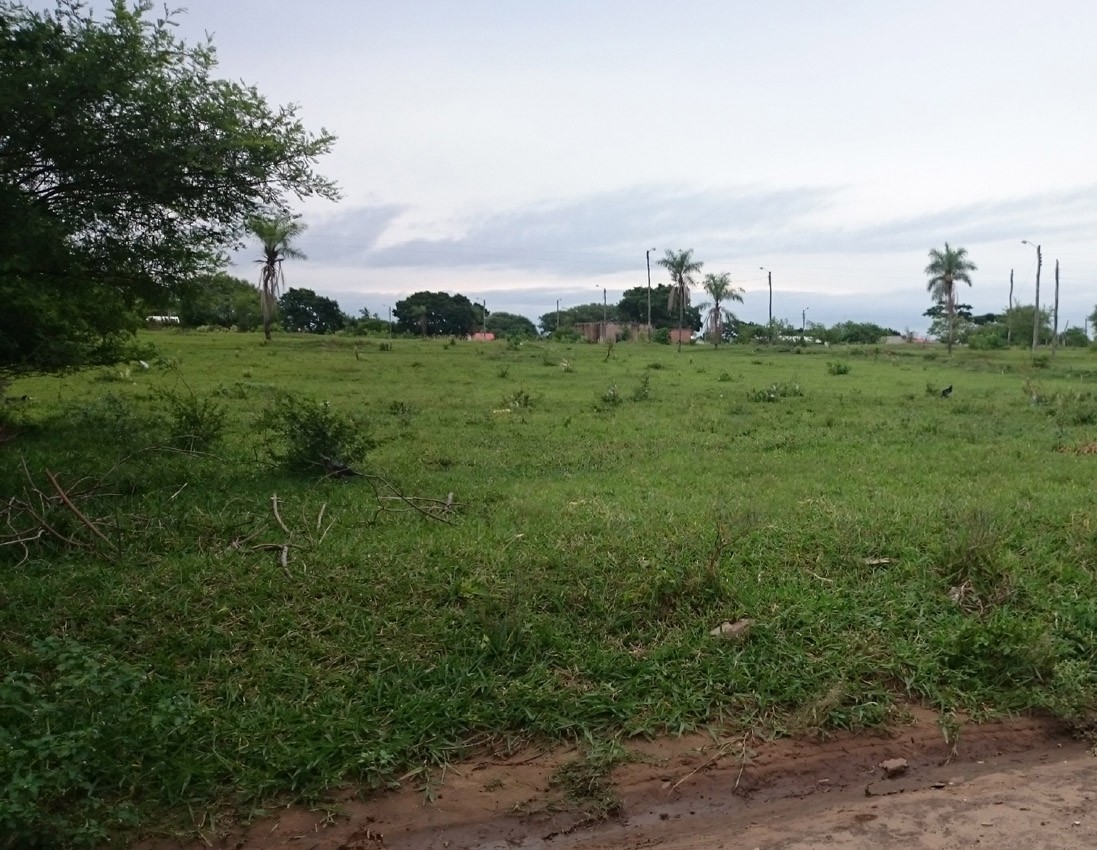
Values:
[(894, 767), (732, 631)]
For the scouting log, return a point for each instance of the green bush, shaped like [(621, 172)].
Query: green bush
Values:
[(195, 422), (308, 437), (839, 368), (776, 391)]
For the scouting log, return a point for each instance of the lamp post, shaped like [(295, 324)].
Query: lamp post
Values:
[(647, 256), (769, 278), (1036, 309)]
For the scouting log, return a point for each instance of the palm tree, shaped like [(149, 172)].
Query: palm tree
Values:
[(276, 235), (719, 288), (681, 267), (945, 269)]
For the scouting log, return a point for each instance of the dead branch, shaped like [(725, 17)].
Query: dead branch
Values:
[(80, 516), (277, 516), (430, 508)]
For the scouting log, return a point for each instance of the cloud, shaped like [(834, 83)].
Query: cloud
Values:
[(600, 234), (603, 234), (349, 236), (1056, 215)]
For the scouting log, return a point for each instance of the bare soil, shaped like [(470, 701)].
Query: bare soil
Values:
[(1012, 784)]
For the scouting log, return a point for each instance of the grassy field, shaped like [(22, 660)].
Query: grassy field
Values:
[(188, 627)]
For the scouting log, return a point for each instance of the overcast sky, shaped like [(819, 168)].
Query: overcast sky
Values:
[(525, 151)]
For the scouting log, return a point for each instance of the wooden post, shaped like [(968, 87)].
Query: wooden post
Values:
[(1036, 310), (1009, 324), (1055, 327)]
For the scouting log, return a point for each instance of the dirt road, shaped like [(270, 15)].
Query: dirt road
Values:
[(1019, 784)]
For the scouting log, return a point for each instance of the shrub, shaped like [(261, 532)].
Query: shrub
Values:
[(612, 396), (518, 400), (662, 336), (195, 422), (838, 368), (305, 436), (776, 391)]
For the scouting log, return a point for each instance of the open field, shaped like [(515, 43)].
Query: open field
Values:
[(174, 647)]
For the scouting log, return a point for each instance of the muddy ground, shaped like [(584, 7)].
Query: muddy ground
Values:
[(1015, 784)]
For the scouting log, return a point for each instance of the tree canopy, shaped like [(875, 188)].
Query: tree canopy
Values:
[(303, 311), (220, 300), (510, 324), (126, 169), (436, 313)]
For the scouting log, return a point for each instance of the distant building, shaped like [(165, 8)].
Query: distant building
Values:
[(482, 337)]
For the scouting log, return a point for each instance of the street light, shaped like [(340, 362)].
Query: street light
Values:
[(769, 276), (647, 256), (1036, 310)]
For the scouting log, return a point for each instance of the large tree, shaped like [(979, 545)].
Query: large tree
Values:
[(303, 311), (719, 288), (126, 169), (947, 268), (436, 314), (220, 300), (681, 267), (510, 324), (275, 235)]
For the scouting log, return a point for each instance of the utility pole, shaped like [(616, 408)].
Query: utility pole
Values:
[(1036, 309), (484, 309), (390, 321), (647, 256), (557, 315), (769, 278), (803, 325), (1009, 324), (1055, 328), (605, 313)]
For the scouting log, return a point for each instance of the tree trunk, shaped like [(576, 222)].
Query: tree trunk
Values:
[(266, 299), (951, 315), (681, 316)]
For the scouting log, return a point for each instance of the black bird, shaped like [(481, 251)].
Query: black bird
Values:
[(947, 391)]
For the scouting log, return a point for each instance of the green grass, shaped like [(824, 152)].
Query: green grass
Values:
[(170, 656)]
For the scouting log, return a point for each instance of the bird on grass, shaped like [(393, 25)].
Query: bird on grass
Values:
[(947, 391)]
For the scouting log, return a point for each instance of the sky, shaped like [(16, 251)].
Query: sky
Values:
[(522, 152)]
